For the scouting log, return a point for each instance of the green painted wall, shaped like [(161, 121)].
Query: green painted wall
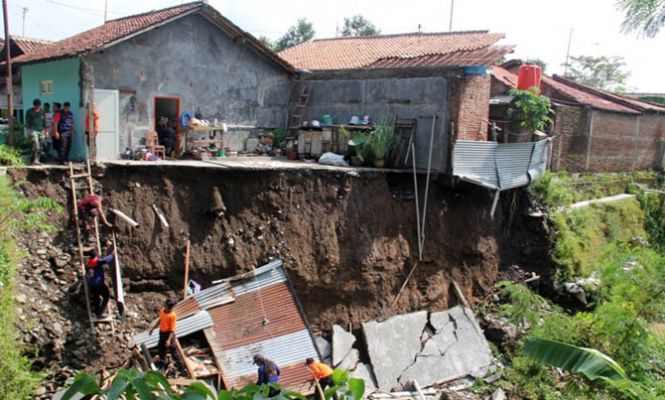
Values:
[(65, 77)]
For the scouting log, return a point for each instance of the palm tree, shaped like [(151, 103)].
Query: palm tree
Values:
[(644, 16)]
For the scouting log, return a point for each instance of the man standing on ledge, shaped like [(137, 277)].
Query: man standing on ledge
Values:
[(65, 130), (167, 338)]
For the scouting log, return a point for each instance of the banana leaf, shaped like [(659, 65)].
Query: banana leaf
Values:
[(589, 362)]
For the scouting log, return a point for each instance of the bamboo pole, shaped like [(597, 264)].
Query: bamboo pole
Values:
[(184, 290)]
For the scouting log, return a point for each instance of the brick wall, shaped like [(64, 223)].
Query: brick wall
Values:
[(469, 101), (599, 141)]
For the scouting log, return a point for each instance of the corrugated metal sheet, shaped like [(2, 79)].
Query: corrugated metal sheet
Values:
[(512, 164), (214, 296), (184, 327), (283, 350), (475, 161), (500, 165), (264, 276), (244, 319)]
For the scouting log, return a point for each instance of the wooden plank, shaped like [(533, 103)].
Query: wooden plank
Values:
[(184, 358), (184, 290)]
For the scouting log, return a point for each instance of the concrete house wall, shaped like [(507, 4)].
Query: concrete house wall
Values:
[(65, 76), (383, 99), (192, 59)]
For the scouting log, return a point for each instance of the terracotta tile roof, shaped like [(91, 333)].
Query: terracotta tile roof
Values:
[(117, 30), (504, 76), (396, 51), (587, 98), (624, 100), (29, 45), (110, 32), (566, 91)]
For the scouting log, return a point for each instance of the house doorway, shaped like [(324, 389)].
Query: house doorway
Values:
[(167, 111)]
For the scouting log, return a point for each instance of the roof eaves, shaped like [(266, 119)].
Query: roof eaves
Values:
[(599, 93), (453, 33)]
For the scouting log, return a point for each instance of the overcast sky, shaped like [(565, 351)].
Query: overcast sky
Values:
[(538, 29)]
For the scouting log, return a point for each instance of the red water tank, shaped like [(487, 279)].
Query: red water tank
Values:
[(529, 75)]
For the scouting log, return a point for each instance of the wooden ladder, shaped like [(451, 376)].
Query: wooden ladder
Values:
[(72, 182), (295, 119)]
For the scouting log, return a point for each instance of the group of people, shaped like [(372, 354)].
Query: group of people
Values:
[(55, 129)]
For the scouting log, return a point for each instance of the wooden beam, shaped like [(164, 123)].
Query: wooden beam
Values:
[(184, 290)]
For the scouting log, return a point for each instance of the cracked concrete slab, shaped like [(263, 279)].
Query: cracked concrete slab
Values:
[(364, 371), (324, 346), (393, 344), (350, 362), (457, 347), (342, 342)]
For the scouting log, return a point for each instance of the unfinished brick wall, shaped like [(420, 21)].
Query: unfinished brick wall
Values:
[(470, 96), (599, 141)]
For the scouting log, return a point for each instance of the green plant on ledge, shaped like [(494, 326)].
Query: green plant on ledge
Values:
[(531, 110), (380, 142)]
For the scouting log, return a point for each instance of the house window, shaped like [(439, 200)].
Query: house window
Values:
[(46, 88)]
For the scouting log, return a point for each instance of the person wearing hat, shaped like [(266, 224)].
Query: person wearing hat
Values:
[(323, 374), (268, 372), (95, 278), (167, 338)]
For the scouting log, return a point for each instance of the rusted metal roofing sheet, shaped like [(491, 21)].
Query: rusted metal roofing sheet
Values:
[(184, 327)]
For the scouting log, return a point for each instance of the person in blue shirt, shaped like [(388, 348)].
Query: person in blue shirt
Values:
[(98, 289), (268, 372)]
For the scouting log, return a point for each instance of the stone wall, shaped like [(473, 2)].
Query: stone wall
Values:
[(599, 141), (191, 59)]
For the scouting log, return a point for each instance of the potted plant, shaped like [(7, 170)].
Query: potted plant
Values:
[(530, 111), (358, 147), (380, 142)]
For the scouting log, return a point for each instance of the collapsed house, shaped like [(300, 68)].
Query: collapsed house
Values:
[(254, 313), (593, 130)]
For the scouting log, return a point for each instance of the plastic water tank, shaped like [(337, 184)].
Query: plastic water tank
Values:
[(529, 75)]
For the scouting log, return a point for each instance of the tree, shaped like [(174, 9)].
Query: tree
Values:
[(537, 61), (644, 16), (359, 26), (265, 40), (604, 72), (303, 31)]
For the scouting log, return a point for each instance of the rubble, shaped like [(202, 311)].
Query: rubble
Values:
[(342, 342), (325, 349)]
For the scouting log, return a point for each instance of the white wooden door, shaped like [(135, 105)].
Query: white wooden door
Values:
[(108, 144)]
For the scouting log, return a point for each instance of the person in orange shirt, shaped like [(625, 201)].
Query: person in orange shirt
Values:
[(167, 338), (323, 374), (95, 128)]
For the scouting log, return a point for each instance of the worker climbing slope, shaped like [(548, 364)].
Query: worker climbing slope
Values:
[(90, 207), (98, 290)]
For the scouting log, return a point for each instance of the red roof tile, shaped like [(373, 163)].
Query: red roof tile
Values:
[(117, 30), (624, 100), (29, 45), (567, 91), (504, 76), (396, 51), (110, 32)]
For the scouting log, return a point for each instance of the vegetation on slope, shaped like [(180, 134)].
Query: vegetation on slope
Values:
[(17, 381), (622, 245)]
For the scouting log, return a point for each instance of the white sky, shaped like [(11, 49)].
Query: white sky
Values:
[(538, 28)]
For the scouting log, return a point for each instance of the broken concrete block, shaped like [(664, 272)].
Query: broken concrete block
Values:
[(350, 362), (342, 342), (393, 345), (364, 372), (499, 394), (325, 349), (457, 348)]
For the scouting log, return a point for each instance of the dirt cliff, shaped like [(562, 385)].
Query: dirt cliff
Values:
[(348, 241)]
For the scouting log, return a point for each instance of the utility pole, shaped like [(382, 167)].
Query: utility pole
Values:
[(106, 9), (452, 8), (570, 39), (8, 65), (25, 11)]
